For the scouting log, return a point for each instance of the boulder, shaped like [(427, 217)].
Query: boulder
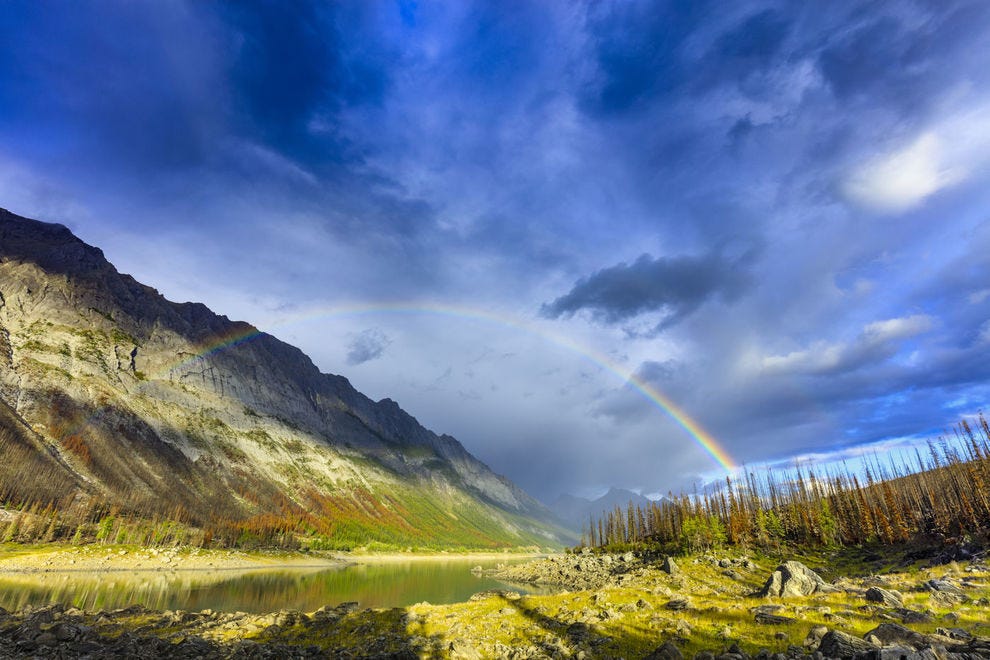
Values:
[(913, 616), (885, 597), (461, 650), (668, 651), (900, 653), (772, 619), (792, 578), (815, 636), (943, 586), (836, 644), (894, 634), (669, 566), (954, 633), (944, 592)]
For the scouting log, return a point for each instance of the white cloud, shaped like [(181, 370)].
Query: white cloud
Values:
[(875, 343), (977, 297), (984, 336), (945, 154), (903, 179), (899, 328), (817, 358)]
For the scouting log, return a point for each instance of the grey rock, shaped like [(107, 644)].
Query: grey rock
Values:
[(669, 566), (578, 632), (945, 593), (894, 634), (667, 651), (837, 644), (943, 586), (460, 650), (907, 615), (792, 578), (885, 597), (814, 637), (899, 653), (954, 633), (772, 619)]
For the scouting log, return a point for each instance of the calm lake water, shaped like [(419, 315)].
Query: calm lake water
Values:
[(387, 584)]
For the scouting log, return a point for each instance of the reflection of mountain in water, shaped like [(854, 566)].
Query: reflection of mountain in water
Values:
[(392, 584)]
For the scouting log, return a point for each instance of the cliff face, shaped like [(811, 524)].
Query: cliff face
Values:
[(169, 409)]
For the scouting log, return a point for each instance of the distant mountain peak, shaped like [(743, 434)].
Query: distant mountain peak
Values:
[(577, 511)]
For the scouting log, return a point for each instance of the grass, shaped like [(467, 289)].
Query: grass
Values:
[(629, 620)]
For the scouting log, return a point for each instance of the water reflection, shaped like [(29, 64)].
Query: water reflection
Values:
[(393, 584)]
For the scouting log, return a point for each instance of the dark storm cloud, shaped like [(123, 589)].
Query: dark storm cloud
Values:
[(645, 52), (107, 83), (897, 57), (675, 286), (368, 345), (335, 61), (492, 154), (638, 48), (746, 49)]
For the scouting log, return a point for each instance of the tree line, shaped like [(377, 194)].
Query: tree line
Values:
[(937, 495)]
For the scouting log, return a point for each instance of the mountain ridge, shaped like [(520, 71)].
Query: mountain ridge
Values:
[(82, 345), (576, 511)]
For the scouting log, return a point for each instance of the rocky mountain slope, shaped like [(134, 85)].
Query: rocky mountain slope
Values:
[(123, 399)]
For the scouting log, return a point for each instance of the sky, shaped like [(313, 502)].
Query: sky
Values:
[(506, 215)]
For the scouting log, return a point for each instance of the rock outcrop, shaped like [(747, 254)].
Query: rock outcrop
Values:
[(792, 578), (837, 644), (884, 597)]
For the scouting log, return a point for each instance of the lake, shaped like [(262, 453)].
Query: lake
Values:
[(374, 584)]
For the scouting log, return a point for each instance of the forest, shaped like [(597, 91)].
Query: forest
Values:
[(938, 496)]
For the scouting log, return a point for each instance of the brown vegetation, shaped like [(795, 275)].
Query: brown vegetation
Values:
[(941, 496)]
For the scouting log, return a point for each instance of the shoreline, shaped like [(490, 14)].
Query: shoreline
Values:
[(399, 557), (19, 560), (123, 559)]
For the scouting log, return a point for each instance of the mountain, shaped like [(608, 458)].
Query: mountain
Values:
[(577, 511), (137, 409)]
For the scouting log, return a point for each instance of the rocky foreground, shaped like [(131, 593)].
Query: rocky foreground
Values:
[(609, 606)]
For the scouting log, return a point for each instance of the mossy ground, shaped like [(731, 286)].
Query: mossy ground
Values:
[(626, 620)]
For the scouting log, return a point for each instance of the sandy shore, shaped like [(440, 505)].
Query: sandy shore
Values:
[(441, 556), (109, 558), (99, 558)]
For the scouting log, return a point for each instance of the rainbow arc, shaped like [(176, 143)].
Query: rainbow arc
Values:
[(701, 437)]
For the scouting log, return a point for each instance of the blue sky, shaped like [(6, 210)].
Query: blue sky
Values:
[(773, 212)]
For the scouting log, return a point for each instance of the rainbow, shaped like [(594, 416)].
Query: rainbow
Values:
[(700, 436)]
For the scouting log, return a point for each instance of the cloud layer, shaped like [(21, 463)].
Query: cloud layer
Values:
[(775, 213)]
